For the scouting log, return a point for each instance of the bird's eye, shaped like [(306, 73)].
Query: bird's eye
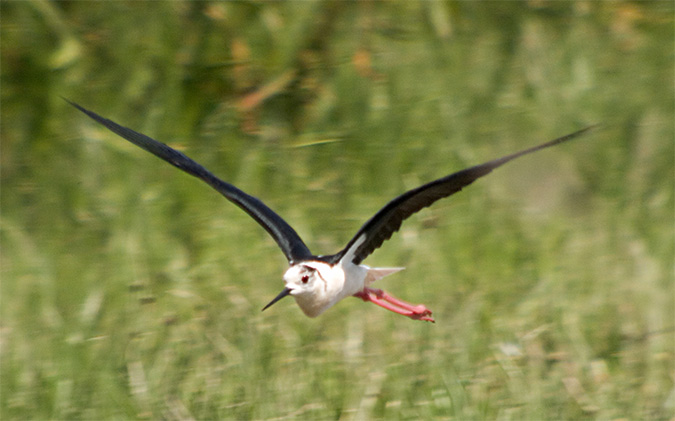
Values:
[(305, 279)]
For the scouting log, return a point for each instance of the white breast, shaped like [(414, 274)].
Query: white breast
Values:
[(336, 282)]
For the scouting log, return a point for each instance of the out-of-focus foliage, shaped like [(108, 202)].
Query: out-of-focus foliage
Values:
[(131, 290)]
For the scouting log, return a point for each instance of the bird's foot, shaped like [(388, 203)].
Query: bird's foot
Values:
[(391, 303)]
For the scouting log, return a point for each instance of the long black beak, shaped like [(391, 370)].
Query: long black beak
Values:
[(281, 295)]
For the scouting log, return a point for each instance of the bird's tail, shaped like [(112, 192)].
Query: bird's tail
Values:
[(375, 274)]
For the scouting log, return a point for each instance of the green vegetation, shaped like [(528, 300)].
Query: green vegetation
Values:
[(131, 290)]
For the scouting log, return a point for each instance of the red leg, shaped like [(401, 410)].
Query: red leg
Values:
[(391, 303)]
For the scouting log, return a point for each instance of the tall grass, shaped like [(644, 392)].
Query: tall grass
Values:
[(130, 290)]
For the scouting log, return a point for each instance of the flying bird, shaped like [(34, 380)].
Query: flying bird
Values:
[(317, 282)]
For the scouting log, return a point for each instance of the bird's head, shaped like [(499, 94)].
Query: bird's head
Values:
[(315, 286)]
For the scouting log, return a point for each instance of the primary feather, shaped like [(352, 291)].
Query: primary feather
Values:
[(288, 240), (388, 220)]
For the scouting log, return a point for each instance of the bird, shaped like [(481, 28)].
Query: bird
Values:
[(318, 282)]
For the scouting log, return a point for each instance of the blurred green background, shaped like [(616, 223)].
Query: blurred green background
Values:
[(131, 290)]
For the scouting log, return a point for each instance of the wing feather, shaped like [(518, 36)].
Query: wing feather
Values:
[(288, 240), (388, 220)]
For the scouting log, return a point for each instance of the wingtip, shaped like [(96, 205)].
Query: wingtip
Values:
[(68, 101), (590, 128), (76, 105)]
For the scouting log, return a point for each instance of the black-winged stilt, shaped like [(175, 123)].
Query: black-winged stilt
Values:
[(317, 282)]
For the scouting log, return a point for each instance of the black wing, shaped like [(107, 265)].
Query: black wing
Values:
[(285, 236), (388, 220)]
